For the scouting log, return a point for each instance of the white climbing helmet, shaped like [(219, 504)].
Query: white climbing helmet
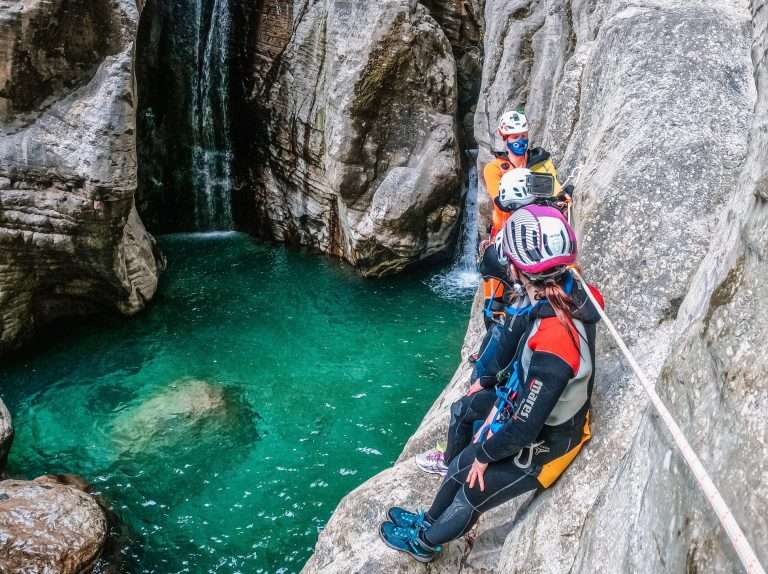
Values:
[(513, 190), (513, 123)]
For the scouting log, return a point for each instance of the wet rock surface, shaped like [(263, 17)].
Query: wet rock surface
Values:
[(71, 241), (6, 435), (680, 283), (49, 527)]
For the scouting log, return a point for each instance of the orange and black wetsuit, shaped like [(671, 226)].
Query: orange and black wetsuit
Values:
[(538, 161), (543, 431)]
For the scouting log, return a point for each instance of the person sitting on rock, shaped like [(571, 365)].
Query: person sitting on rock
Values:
[(492, 357), (540, 419), (513, 129)]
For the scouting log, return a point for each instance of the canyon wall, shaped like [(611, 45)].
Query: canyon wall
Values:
[(651, 109), (71, 241), (329, 124), (356, 108)]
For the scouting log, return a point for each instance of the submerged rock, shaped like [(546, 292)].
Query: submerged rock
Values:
[(71, 241), (6, 434), (49, 527), (184, 415)]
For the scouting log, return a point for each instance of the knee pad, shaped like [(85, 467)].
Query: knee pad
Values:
[(458, 409)]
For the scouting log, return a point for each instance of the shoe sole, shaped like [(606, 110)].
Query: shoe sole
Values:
[(431, 470), (393, 547)]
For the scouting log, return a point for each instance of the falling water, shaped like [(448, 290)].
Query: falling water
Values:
[(212, 149), (462, 278)]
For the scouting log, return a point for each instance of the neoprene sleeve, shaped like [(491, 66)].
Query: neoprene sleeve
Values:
[(500, 346)]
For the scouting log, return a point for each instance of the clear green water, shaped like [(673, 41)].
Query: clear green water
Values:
[(225, 424)]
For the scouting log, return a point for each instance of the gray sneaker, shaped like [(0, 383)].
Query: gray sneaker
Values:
[(432, 461)]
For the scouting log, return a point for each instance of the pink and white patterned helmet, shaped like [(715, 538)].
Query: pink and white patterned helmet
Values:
[(539, 241)]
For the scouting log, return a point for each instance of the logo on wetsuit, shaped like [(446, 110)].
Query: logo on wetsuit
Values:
[(533, 394)]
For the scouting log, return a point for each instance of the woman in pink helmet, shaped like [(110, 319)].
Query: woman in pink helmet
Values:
[(540, 418)]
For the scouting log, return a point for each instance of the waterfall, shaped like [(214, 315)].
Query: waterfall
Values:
[(212, 147), (462, 278)]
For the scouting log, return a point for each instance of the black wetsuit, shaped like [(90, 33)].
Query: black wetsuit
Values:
[(545, 429)]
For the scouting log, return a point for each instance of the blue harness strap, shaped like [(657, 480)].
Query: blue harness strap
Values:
[(488, 311), (505, 398)]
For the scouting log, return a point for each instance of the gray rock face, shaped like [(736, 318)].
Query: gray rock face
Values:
[(71, 241), (652, 515), (630, 98), (47, 528), (6, 434), (361, 157)]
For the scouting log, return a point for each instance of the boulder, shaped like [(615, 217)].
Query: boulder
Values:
[(49, 527), (71, 241), (6, 434), (360, 156), (186, 413)]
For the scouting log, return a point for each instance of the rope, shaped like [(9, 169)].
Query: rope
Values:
[(732, 529)]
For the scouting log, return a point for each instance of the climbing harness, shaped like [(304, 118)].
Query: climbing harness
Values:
[(498, 316), (736, 535), (507, 394), (534, 449)]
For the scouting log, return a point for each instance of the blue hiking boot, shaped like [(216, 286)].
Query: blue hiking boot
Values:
[(407, 540), (406, 519)]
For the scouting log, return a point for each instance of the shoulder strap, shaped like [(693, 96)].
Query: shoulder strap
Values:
[(537, 155)]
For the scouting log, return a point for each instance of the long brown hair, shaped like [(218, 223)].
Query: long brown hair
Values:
[(562, 304)]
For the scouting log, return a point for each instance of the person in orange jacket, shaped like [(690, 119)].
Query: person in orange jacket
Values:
[(513, 129)]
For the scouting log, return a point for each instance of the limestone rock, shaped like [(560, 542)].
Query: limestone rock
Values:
[(70, 239), (361, 157), (603, 84), (644, 232), (48, 527), (6, 434)]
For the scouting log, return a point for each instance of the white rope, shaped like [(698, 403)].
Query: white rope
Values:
[(732, 529)]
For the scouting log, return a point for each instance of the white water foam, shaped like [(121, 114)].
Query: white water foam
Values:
[(462, 279)]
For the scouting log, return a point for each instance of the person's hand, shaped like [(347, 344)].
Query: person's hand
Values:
[(477, 475), (475, 387), (484, 244)]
